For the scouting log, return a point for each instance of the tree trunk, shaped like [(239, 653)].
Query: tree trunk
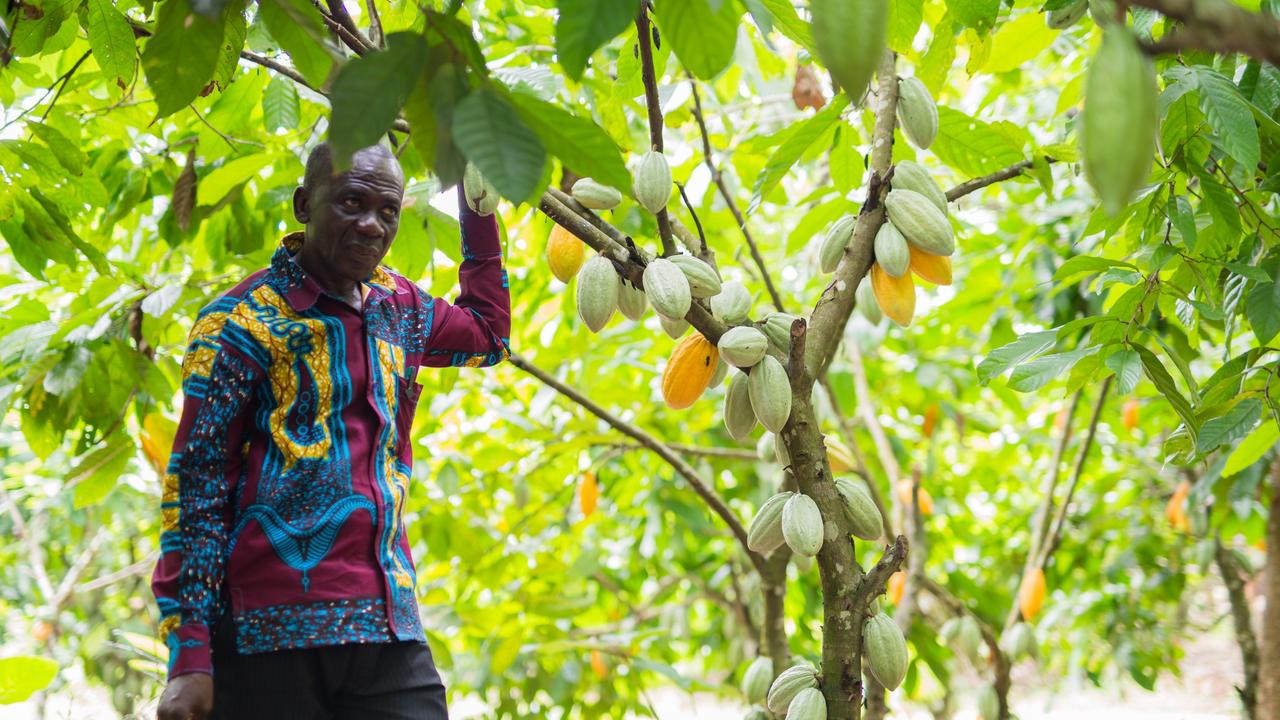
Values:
[(1269, 657), (773, 582), (1245, 638)]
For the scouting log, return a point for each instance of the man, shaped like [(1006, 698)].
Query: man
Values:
[(285, 585)]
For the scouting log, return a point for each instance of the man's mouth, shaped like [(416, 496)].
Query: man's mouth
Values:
[(365, 251)]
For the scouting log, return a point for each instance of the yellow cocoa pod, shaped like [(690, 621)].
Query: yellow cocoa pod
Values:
[(1031, 593), (689, 371), (896, 296), (564, 254), (931, 268)]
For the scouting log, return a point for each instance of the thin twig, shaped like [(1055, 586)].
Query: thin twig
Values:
[(60, 84), (1060, 518), (654, 106), (339, 20), (703, 450), (702, 236), (139, 568)]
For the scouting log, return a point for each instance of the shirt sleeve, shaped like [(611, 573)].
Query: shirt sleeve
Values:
[(218, 373), (475, 330)]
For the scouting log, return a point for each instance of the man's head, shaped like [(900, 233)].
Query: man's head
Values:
[(351, 217)]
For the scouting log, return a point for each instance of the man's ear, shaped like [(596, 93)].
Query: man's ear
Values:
[(301, 205)]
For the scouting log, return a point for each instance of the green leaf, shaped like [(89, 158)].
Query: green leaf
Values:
[(215, 186), (491, 134), (1006, 356), (1252, 448), (905, 17), (1226, 429), (68, 153), (1263, 312), (23, 676), (296, 25), (844, 161), (1037, 373), (281, 108), (579, 143), (1019, 41), (1128, 369), (977, 14), (233, 38), (801, 138), (583, 26), (1167, 387), (972, 146), (111, 39), (703, 40), (1088, 264), (937, 60), (370, 90), (97, 474), (788, 22), (1230, 116), (1183, 219), (181, 56)]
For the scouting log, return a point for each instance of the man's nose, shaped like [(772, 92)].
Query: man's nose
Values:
[(369, 227)]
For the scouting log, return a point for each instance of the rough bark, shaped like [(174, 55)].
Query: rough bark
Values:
[(1269, 656), (1245, 638)]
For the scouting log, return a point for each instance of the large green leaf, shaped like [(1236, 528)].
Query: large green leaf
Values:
[(111, 39), (370, 90), (972, 146), (1229, 427), (1230, 116), (703, 39), (23, 676), (1164, 383), (1037, 373), (977, 14), (801, 138), (181, 56), (788, 22), (215, 186), (1006, 356), (296, 25), (281, 109), (1018, 41), (1128, 369), (905, 17), (1252, 448), (491, 134), (582, 26), (579, 143), (1263, 311)]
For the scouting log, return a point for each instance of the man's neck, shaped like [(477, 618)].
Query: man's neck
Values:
[(350, 293)]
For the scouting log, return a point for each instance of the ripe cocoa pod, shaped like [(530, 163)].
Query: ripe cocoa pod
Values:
[(917, 114), (653, 181), (667, 288), (849, 38), (835, 242), (802, 525), (896, 586), (865, 299), (904, 496), (631, 300), (1065, 17), (597, 292), (777, 326), (892, 253), (743, 346), (481, 196), (757, 679), (910, 175), (1118, 123), (988, 703), (675, 328), (596, 196), (722, 369), (739, 418), (885, 650), (688, 372), (703, 281), (1031, 593), (770, 392), (788, 684), (808, 704), (860, 510), (920, 221), (765, 533), (931, 268), (565, 253), (895, 296), (1019, 641), (732, 303)]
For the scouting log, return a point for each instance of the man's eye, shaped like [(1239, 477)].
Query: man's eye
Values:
[(351, 203), (391, 213)]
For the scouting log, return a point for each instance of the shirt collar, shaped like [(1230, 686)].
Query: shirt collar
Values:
[(301, 291)]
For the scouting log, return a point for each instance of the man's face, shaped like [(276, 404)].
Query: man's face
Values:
[(352, 218)]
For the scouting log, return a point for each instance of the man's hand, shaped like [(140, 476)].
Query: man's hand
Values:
[(187, 697)]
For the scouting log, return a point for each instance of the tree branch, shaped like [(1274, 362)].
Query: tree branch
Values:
[(1240, 616), (139, 568), (341, 22), (705, 491), (654, 106), (1060, 518), (1269, 653), (1218, 26), (706, 451)]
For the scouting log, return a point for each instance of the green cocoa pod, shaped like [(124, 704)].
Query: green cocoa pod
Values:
[(808, 704), (757, 714), (865, 299), (675, 328), (764, 448), (885, 650), (802, 525), (1065, 17), (917, 114), (481, 196), (968, 640), (765, 533), (597, 292), (788, 684), (780, 452), (770, 392), (739, 418), (777, 326), (1118, 123), (860, 509), (717, 377), (835, 242), (908, 175), (703, 281), (631, 300), (596, 196), (849, 37), (743, 346), (653, 181), (891, 250), (1019, 641), (732, 304), (988, 703), (920, 222), (667, 288), (757, 679), (949, 630)]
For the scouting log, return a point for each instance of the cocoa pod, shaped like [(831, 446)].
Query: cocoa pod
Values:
[(896, 296), (910, 175), (988, 703), (885, 650), (597, 292), (482, 197), (849, 36), (689, 371), (808, 704), (757, 679), (802, 525), (653, 181), (732, 304), (631, 300), (743, 346), (770, 392), (739, 418), (917, 113), (667, 288), (860, 510), (920, 222), (777, 326), (834, 243), (892, 252), (565, 253), (595, 196), (764, 535), (865, 299), (931, 268), (703, 281), (1119, 121), (675, 328), (788, 684)]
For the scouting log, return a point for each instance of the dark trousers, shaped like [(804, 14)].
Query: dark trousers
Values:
[(383, 681)]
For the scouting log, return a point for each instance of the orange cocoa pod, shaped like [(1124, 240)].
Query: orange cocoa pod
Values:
[(1130, 414), (1176, 509), (1031, 593), (598, 665), (897, 583), (932, 268), (896, 296), (565, 254), (930, 420), (904, 496), (689, 371), (588, 493)]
